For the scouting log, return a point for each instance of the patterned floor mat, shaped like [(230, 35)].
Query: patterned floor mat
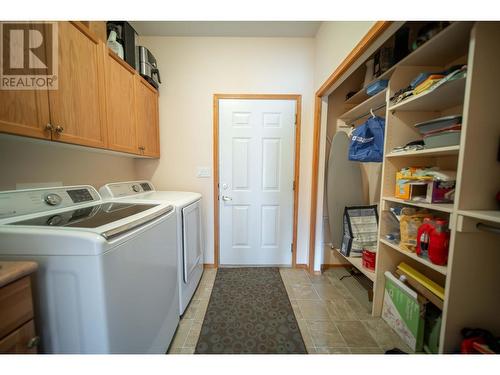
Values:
[(249, 312)]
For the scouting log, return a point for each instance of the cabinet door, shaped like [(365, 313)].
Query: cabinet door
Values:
[(24, 112), (146, 107), (120, 105), (21, 341), (77, 107)]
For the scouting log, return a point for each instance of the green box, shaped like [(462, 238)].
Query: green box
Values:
[(404, 312)]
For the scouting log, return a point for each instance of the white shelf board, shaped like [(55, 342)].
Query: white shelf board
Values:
[(446, 46), (363, 108), (443, 207), (357, 262), (441, 269), (357, 98), (448, 95), (438, 151), (488, 215)]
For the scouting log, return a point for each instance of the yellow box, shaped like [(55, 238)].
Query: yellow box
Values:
[(402, 191), (407, 191)]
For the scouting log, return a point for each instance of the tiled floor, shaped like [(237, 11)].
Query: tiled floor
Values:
[(189, 328), (329, 317)]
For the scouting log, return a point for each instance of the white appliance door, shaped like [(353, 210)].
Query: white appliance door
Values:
[(256, 164), (142, 290), (192, 238)]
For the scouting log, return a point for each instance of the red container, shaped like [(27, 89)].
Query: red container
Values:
[(368, 259), (433, 240)]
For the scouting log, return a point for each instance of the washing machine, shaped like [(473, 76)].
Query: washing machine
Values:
[(189, 228), (107, 277)]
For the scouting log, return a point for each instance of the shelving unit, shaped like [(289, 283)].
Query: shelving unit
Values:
[(473, 262), (357, 262), (372, 102), (438, 151), (440, 269), (487, 215), (448, 95), (441, 207), (444, 47), (470, 278)]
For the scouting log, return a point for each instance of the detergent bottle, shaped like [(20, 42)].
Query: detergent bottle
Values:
[(439, 241), (423, 238), (432, 240)]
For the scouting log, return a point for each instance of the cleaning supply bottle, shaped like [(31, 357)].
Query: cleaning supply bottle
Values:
[(439, 241), (114, 45), (423, 238), (433, 240)]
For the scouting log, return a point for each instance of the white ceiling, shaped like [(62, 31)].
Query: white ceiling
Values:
[(287, 29)]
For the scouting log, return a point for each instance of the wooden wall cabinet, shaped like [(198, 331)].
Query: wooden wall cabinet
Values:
[(100, 101), (25, 112), (146, 107), (120, 105), (77, 107)]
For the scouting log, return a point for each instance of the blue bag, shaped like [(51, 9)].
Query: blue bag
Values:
[(367, 142)]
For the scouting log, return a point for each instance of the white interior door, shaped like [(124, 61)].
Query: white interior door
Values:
[(256, 161)]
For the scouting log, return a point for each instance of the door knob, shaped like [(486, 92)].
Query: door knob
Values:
[(59, 129), (226, 198)]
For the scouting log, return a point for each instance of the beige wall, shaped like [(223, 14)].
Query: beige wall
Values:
[(29, 162), (334, 41), (193, 69)]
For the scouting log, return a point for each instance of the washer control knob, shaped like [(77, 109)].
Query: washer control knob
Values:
[(136, 188), (53, 199)]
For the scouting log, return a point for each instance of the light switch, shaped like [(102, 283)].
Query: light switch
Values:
[(203, 172)]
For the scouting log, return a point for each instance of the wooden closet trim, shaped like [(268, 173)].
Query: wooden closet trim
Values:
[(371, 36), (296, 174)]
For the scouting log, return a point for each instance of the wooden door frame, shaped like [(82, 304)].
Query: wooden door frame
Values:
[(298, 111), (371, 36)]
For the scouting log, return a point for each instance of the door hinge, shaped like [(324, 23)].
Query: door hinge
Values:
[(295, 119), (291, 247), (293, 185)]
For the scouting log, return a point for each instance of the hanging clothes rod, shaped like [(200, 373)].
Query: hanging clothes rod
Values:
[(488, 228), (367, 114)]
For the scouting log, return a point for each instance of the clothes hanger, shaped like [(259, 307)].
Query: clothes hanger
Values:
[(349, 134), (371, 112)]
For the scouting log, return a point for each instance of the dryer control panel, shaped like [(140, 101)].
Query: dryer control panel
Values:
[(125, 189)]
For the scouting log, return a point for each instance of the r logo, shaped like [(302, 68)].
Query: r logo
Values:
[(29, 55)]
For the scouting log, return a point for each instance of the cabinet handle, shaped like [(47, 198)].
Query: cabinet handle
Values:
[(49, 127), (59, 129), (142, 148), (34, 341)]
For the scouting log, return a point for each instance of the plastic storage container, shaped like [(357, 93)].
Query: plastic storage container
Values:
[(438, 124), (443, 139), (368, 259), (376, 87)]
